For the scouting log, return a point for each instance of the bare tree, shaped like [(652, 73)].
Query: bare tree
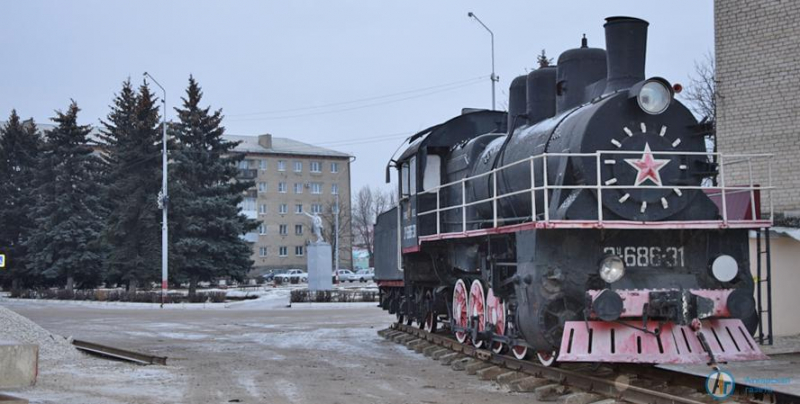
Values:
[(328, 215), (367, 205), (701, 95)]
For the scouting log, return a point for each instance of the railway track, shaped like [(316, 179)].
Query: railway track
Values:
[(569, 383)]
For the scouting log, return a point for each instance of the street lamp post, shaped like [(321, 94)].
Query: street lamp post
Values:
[(163, 199), (494, 78)]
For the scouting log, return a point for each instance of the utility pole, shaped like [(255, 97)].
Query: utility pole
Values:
[(494, 78), (163, 199)]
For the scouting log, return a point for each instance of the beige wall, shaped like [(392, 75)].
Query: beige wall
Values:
[(758, 86), (273, 198), (785, 283)]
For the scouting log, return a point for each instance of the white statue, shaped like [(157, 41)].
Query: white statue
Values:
[(316, 226)]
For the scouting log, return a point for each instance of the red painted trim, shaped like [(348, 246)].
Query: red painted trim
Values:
[(593, 224), (633, 301), (390, 284), (412, 249)]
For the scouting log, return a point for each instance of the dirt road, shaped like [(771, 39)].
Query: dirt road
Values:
[(250, 352)]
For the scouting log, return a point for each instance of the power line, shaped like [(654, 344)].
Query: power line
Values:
[(359, 100), (356, 107)]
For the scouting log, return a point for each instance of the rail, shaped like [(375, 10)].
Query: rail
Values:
[(541, 218), (633, 383)]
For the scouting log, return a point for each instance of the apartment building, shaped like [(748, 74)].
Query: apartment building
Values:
[(292, 178), (758, 79)]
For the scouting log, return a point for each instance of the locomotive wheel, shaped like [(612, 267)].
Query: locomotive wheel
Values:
[(431, 321), (496, 315), (460, 316), (547, 358), (520, 352), (477, 308)]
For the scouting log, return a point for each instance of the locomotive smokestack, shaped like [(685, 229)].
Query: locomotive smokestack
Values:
[(517, 103), (626, 47)]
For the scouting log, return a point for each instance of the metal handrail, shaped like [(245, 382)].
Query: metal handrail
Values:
[(723, 159)]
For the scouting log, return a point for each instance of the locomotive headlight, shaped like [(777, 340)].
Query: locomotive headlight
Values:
[(612, 268), (654, 97)]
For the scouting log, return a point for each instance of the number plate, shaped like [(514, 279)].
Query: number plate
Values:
[(647, 256)]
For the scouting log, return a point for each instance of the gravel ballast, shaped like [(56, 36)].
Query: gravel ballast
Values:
[(52, 347)]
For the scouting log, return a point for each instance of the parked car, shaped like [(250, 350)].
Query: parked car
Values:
[(292, 276), (365, 275), (346, 275), (270, 276)]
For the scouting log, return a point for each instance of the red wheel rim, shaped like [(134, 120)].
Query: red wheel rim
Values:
[(546, 358), (477, 304), (520, 352), (496, 314), (460, 309)]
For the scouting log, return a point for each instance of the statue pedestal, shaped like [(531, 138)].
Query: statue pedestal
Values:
[(320, 266)]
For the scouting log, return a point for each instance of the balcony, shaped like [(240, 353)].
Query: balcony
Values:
[(247, 174)]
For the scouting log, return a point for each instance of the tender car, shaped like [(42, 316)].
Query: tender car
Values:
[(292, 276), (346, 275), (365, 275)]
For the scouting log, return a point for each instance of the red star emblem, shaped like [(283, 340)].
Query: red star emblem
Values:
[(647, 167)]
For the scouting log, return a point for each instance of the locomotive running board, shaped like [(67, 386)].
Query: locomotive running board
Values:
[(600, 341)]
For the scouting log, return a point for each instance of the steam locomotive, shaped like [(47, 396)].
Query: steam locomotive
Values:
[(578, 226)]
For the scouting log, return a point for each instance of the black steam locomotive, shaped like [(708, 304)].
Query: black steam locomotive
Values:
[(577, 225)]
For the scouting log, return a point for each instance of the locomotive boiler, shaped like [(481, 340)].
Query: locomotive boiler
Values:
[(588, 223)]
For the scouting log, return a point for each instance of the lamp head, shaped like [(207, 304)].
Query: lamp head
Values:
[(469, 14)]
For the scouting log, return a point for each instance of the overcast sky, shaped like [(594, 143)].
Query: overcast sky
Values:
[(298, 69)]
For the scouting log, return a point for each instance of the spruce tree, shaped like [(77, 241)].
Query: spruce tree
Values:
[(206, 222), (132, 145), (19, 151), (64, 246)]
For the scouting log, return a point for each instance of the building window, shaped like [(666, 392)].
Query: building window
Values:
[(298, 229), (316, 208), (298, 251), (298, 166), (262, 187), (298, 188), (244, 165), (284, 230), (262, 209), (334, 167), (262, 251), (281, 165), (282, 187), (248, 204), (315, 167), (262, 164), (298, 208), (282, 209), (334, 189), (262, 229), (316, 188), (282, 251)]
